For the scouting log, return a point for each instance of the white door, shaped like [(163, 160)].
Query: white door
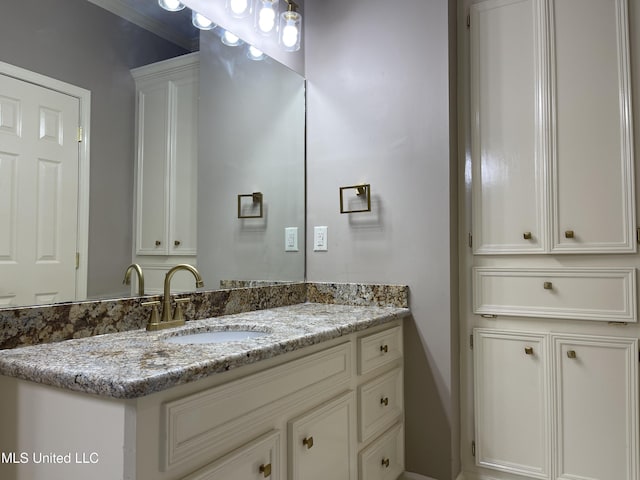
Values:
[(38, 193)]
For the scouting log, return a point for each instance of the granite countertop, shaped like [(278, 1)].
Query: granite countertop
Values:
[(137, 363)]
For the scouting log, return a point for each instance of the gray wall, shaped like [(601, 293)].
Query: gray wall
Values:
[(251, 139), (82, 44), (379, 112)]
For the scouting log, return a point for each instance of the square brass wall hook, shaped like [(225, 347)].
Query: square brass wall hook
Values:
[(256, 198), (363, 191)]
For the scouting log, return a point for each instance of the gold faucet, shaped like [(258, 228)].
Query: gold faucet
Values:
[(165, 319), (127, 277)]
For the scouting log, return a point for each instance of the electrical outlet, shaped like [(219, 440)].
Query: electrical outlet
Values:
[(291, 239), (320, 241)]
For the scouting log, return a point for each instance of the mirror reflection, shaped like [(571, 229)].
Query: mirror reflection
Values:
[(236, 126)]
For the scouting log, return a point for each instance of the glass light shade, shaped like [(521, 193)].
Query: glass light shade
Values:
[(230, 39), (290, 31), (201, 22), (239, 8), (171, 5), (266, 16), (255, 53)]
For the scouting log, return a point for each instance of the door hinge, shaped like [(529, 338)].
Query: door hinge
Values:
[(77, 260), (468, 20), (471, 341), (470, 240), (473, 448), (80, 131)]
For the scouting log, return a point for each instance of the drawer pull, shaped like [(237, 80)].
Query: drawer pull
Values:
[(266, 470), (177, 243), (384, 348), (527, 235), (569, 234), (384, 401), (308, 442), (571, 353), (528, 350), (385, 462), (158, 243), (547, 285)]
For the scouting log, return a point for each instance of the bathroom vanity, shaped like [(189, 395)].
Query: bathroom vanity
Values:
[(318, 393)]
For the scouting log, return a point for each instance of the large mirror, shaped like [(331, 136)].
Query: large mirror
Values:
[(250, 139)]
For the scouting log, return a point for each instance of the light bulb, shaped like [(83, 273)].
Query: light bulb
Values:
[(289, 35), (238, 6), (254, 53), (266, 19), (201, 22), (230, 39), (171, 5)]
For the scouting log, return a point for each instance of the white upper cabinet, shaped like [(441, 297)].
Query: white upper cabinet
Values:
[(552, 146), (167, 128)]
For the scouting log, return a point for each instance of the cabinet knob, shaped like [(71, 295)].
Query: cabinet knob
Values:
[(528, 350), (384, 401), (266, 470), (177, 243), (569, 234), (385, 462), (547, 285), (384, 348), (527, 235), (308, 442), (571, 353), (158, 243)]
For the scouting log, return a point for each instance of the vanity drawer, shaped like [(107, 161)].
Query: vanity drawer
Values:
[(209, 423), (379, 349), (601, 294), (380, 401), (258, 459), (384, 458)]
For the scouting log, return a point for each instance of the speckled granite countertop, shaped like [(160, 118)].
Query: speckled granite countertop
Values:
[(137, 363)]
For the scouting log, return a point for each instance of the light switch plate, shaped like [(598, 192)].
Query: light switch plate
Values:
[(291, 239), (320, 241)]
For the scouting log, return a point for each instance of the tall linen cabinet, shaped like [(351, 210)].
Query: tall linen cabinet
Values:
[(166, 169), (548, 277)]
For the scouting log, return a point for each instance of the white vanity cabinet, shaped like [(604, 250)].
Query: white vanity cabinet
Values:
[(556, 406), (166, 159), (551, 127)]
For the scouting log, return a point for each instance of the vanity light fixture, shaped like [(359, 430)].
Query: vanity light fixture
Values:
[(201, 22), (171, 5), (290, 28), (239, 8), (230, 39), (266, 16)]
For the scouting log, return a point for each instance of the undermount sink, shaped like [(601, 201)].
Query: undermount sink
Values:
[(215, 337)]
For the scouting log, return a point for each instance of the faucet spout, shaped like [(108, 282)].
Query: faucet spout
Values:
[(166, 304), (127, 277)]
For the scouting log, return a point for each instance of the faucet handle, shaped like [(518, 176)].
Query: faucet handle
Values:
[(178, 314), (155, 316)]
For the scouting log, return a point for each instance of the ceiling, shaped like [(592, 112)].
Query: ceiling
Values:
[(173, 26)]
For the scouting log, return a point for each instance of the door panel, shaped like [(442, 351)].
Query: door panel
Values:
[(39, 195)]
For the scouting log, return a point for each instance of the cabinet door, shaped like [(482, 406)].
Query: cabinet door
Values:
[(184, 167), (152, 170), (255, 461), (596, 408), (507, 160), (592, 160), (322, 442), (511, 402)]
